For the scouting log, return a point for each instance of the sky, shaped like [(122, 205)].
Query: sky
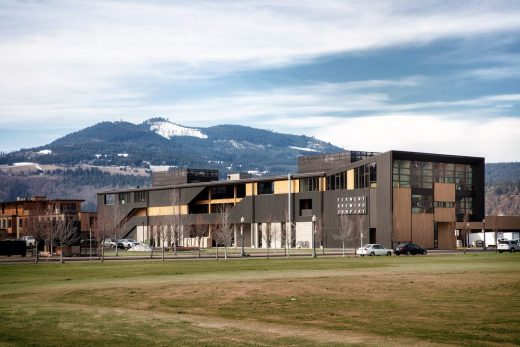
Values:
[(425, 76)]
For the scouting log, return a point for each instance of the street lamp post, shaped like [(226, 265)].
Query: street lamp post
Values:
[(484, 234), (242, 254), (90, 241), (313, 236)]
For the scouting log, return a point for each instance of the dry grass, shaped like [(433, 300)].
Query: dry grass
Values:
[(450, 300)]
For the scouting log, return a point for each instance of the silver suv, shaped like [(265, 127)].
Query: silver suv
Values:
[(30, 241), (508, 246)]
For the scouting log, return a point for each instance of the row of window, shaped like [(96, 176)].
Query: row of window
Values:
[(419, 174), (124, 198), (423, 203), (364, 176)]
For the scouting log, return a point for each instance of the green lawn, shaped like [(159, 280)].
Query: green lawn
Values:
[(451, 300)]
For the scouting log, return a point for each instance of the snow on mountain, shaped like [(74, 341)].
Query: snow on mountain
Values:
[(45, 151), (168, 129), (303, 149)]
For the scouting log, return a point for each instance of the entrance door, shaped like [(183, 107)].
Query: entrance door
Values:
[(373, 235)]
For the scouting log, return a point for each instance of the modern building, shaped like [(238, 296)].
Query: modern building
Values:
[(389, 197)]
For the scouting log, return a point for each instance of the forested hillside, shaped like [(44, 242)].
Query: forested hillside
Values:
[(503, 189), (69, 184)]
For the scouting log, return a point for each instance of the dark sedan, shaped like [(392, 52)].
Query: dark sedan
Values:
[(409, 248)]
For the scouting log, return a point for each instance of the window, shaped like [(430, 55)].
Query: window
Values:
[(110, 199), (265, 188), (422, 203), (336, 182), (140, 196), (67, 207), (124, 198), (222, 192), (241, 190), (310, 184), (463, 205), (305, 207), (444, 204)]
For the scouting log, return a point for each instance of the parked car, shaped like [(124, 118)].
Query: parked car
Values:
[(508, 246), (88, 243), (373, 249), (126, 243), (141, 247), (409, 248), (110, 243), (30, 241)]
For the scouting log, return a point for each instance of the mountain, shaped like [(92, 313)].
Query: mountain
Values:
[(159, 141)]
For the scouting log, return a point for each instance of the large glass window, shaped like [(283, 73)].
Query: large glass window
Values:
[(418, 174)]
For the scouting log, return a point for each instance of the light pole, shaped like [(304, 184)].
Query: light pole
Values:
[(242, 254), (313, 236), (361, 240), (90, 241), (484, 233)]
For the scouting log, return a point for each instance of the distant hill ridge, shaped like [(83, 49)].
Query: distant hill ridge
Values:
[(158, 141)]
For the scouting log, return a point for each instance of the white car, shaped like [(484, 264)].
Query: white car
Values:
[(30, 241), (110, 243), (508, 246), (126, 243), (373, 249), (140, 247)]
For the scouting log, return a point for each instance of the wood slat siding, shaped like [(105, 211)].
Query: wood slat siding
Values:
[(167, 210), (350, 179), (250, 189), (422, 229), (444, 192), (447, 238), (280, 187), (402, 221), (444, 214)]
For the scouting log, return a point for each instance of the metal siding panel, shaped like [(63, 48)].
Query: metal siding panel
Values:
[(384, 199)]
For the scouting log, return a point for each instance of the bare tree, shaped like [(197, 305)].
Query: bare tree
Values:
[(345, 231), (174, 218), (269, 234), (165, 233), (224, 230), (36, 225), (199, 230), (66, 233), (465, 229), (320, 233), (116, 224), (104, 223)]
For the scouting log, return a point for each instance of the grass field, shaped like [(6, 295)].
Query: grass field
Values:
[(433, 300)]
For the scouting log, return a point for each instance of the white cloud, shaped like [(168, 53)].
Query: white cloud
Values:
[(103, 56), (496, 139)]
